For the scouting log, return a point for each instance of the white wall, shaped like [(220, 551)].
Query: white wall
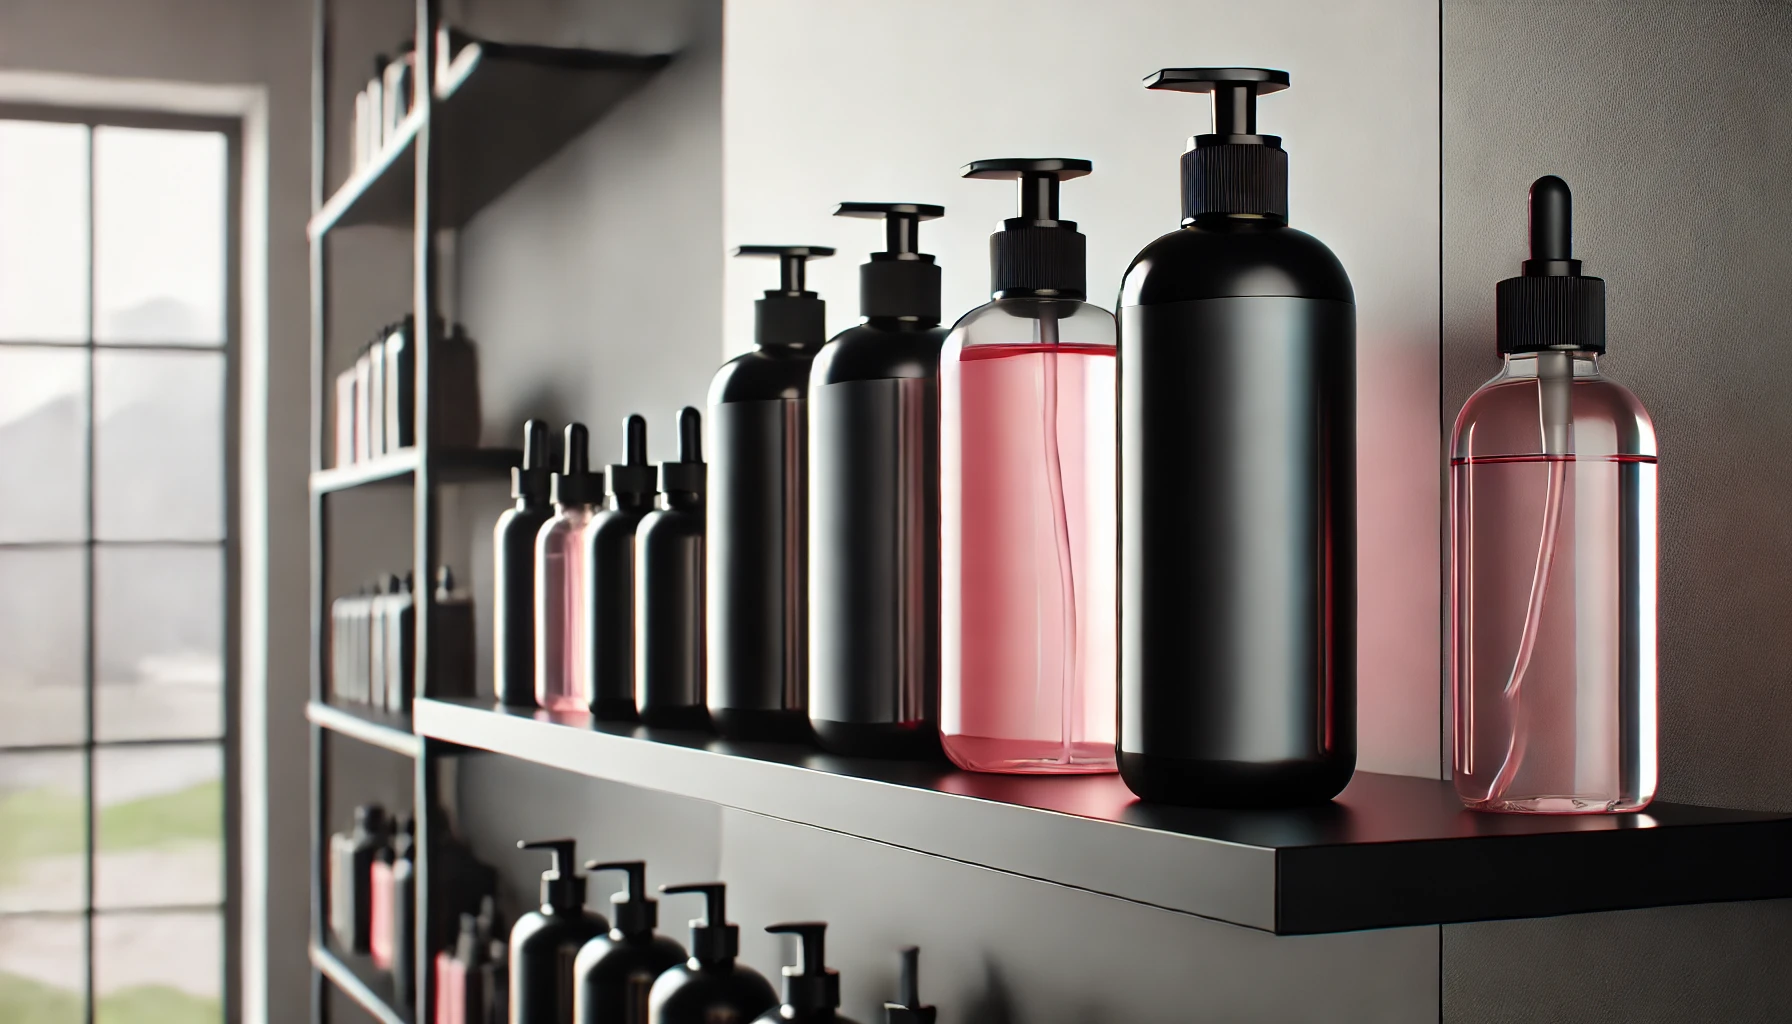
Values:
[(827, 101)]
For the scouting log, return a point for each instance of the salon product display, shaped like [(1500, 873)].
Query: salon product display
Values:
[(609, 575), (577, 493), (758, 613), (1553, 552), (874, 505), (669, 578), (513, 571), (614, 973), (1027, 507), (545, 942), (712, 985)]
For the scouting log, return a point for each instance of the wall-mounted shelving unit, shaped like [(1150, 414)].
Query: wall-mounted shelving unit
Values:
[(497, 112)]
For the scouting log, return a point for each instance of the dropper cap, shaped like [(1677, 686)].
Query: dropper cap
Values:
[(902, 281), (908, 1008), (562, 888), (1036, 254), (1234, 170), (811, 985), (1551, 307), (687, 474), (634, 912), (444, 584), (529, 482), (789, 316), (633, 480), (713, 939), (575, 484)]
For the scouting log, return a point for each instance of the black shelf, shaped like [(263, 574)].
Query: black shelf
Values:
[(358, 979), (367, 724), (452, 466), (1391, 851)]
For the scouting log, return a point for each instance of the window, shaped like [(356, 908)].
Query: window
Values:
[(117, 317)]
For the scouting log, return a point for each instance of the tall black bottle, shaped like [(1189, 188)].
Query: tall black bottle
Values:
[(545, 942), (874, 524), (669, 577), (614, 973), (712, 987), (609, 562), (1237, 483), (758, 513)]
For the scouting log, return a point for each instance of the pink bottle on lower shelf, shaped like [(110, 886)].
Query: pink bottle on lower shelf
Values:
[(560, 619), (1553, 554), (1027, 502)]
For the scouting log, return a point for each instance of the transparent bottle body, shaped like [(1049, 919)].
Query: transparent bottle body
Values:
[(1553, 579), (1028, 538), (561, 682)]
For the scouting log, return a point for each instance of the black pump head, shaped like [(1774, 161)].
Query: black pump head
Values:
[(1036, 254), (713, 939), (635, 913), (1232, 171), (575, 484), (1551, 307), (633, 481), (529, 482), (908, 1008), (811, 985), (790, 315), (562, 887), (902, 282), (687, 475)]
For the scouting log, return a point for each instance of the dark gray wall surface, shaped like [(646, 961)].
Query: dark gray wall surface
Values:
[(1670, 121)]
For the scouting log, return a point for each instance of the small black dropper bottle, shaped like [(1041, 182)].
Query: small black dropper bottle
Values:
[(908, 1009), (614, 973), (610, 578), (669, 578), (811, 987), (513, 572), (758, 524), (711, 986), (874, 524), (543, 942)]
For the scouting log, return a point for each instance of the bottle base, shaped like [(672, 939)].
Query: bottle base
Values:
[(1028, 757), (563, 705), (615, 709), (762, 726), (919, 742), (686, 719), (1581, 804), (1191, 783)]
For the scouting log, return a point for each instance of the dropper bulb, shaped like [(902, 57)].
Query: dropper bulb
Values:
[(535, 445), (578, 449), (634, 443), (690, 435), (1552, 219)]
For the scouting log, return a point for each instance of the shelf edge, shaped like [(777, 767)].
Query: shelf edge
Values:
[(351, 985), (354, 726)]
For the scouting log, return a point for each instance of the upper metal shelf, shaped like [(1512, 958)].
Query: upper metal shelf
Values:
[(450, 466)]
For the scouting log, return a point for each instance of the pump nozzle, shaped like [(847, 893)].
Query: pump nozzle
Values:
[(1233, 170), (791, 315), (633, 480), (562, 888), (1036, 254), (902, 282), (908, 1009), (635, 914), (713, 939), (809, 985)]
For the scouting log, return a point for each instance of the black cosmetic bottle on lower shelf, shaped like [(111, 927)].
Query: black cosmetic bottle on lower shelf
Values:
[(758, 513), (908, 1008), (544, 942), (609, 562), (874, 524), (1237, 483), (513, 572), (712, 987), (669, 578), (614, 973), (811, 987)]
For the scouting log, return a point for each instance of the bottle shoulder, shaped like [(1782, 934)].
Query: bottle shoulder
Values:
[(1243, 259), (1030, 322), (1504, 417), (867, 352), (764, 374)]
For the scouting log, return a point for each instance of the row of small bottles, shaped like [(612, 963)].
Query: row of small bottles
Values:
[(376, 396), (373, 643), (624, 972), (383, 104)]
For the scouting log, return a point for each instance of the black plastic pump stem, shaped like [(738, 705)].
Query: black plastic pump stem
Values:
[(713, 939), (790, 315), (792, 260), (810, 984), (1235, 92), (1232, 171), (902, 282), (908, 1009), (562, 887), (636, 913), (1036, 255)]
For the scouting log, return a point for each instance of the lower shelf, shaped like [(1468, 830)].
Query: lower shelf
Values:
[(1391, 851), (358, 979)]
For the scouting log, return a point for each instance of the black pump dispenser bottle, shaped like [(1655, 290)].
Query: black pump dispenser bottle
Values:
[(543, 943), (758, 505), (710, 987), (1237, 483), (513, 574), (908, 1008), (811, 987), (669, 661), (874, 651), (614, 973), (609, 562)]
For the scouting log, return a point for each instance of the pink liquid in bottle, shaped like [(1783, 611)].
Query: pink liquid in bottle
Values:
[(560, 682), (1028, 540)]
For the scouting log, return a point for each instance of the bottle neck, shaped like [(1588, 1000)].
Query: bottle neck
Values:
[(1528, 365), (900, 323), (683, 500)]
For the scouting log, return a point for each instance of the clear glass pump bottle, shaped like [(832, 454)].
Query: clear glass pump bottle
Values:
[(561, 682), (1553, 554), (1027, 492)]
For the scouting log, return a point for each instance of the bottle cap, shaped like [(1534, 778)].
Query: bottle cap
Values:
[(810, 985), (902, 281), (687, 474), (1233, 170), (907, 1009), (713, 939), (1036, 254), (1551, 307), (635, 913), (634, 478), (529, 482), (790, 315), (575, 484), (562, 888)]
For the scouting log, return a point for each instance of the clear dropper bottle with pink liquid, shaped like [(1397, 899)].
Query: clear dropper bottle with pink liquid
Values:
[(1028, 501), (1553, 553), (561, 679)]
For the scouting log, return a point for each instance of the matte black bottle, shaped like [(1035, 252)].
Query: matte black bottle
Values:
[(711, 987), (1237, 483), (513, 572), (544, 942), (610, 578), (811, 987), (669, 578), (758, 513), (874, 524), (614, 973), (908, 1008)]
